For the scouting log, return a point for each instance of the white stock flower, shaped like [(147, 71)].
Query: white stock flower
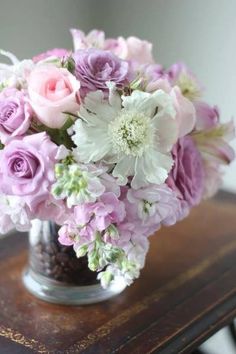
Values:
[(136, 133), (13, 214), (77, 183)]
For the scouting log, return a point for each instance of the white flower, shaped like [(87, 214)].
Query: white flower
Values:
[(136, 133), (13, 214), (129, 268), (15, 74), (77, 183), (188, 86)]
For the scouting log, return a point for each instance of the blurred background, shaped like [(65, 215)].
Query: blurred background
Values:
[(200, 33)]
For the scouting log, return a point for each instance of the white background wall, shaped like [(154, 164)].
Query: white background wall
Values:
[(201, 33)]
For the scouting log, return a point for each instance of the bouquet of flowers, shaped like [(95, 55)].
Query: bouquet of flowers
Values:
[(108, 144)]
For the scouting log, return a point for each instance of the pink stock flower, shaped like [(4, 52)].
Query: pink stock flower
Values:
[(89, 218), (187, 175), (153, 206), (68, 234), (52, 209), (53, 92), (27, 168), (101, 214), (55, 52), (15, 114)]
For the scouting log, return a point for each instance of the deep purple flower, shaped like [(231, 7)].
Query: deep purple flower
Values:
[(94, 67), (187, 175), (15, 114)]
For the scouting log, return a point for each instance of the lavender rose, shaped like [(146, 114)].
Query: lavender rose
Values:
[(27, 168), (187, 175), (94, 67), (15, 114)]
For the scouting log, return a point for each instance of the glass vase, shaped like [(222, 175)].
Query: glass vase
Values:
[(56, 275)]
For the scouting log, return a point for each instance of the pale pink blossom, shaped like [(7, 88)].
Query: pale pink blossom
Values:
[(207, 117), (53, 93), (60, 53), (139, 51), (185, 112)]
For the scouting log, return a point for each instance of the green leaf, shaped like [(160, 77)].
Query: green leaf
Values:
[(69, 122), (69, 64), (58, 136)]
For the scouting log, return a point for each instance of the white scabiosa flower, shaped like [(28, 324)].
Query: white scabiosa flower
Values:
[(135, 133)]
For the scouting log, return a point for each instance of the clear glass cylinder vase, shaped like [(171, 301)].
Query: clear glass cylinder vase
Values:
[(56, 275)]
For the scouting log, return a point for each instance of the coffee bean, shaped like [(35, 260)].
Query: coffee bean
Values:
[(51, 248), (63, 258)]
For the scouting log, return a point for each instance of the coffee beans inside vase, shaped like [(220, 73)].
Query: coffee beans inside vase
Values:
[(55, 261)]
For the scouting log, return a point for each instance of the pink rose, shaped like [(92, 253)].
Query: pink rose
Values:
[(53, 92), (27, 168)]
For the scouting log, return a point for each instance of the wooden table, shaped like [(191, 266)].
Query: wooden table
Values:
[(186, 292)]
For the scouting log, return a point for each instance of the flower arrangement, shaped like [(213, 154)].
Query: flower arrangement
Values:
[(109, 145)]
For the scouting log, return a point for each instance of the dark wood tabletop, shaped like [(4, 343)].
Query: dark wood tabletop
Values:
[(186, 292)]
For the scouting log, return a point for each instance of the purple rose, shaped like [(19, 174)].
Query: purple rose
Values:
[(94, 67), (187, 176), (27, 168), (15, 114)]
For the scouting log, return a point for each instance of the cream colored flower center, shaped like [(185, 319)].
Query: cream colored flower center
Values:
[(189, 87), (131, 133)]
